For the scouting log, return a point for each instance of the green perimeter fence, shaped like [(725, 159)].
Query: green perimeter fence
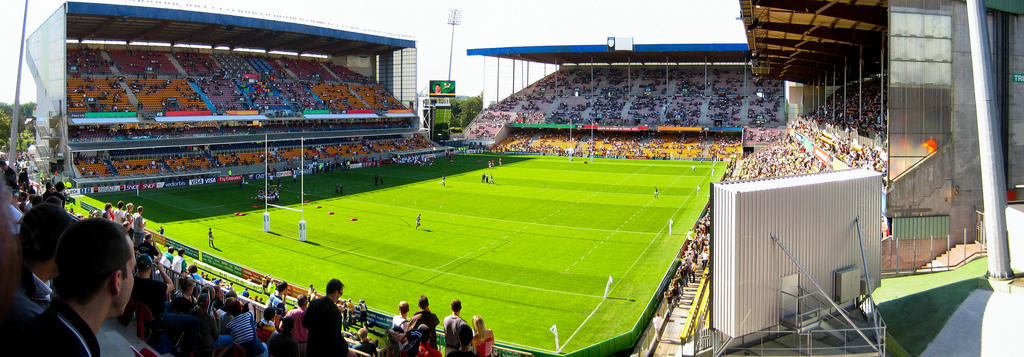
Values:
[(605, 348)]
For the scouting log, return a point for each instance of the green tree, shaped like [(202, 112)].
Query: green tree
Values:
[(26, 133), (468, 109)]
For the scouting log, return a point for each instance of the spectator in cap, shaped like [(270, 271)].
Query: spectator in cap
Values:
[(41, 228), (152, 294)]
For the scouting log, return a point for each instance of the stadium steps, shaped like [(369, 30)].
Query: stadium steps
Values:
[(329, 71), (955, 257), (131, 94), (288, 71), (181, 70), (670, 341), (627, 106), (113, 170), (553, 108), (106, 57), (357, 95), (704, 109), (671, 88), (202, 95)]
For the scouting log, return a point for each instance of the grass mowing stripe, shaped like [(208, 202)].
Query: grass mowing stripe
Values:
[(474, 233), (610, 290)]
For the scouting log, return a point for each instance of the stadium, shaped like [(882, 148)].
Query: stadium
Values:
[(821, 189)]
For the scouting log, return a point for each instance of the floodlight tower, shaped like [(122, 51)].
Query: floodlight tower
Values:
[(454, 18)]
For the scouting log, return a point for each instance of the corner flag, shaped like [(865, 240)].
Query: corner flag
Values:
[(554, 328)]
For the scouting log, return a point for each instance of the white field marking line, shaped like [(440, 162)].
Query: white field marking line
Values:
[(443, 273), (546, 217), (612, 232), (631, 266), (500, 220), (582, 324)]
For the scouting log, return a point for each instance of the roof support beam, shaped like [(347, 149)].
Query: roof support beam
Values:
[(856, 37), (152, 31), (198, 35), (871, 15), (232, 42), (105, 25)]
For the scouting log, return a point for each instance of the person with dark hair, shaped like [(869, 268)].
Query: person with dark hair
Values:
[(10, 177), (298, 313), (425, 317), (243, 330), (152, 294), (452, 325), (465, 336), (58, 192), (41, 228), (91, 291), (281, 343), (209, 328), (23, 177), (276, 301), (323, 320), (266, 327)]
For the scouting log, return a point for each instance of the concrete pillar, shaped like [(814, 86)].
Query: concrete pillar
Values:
[(993, 177)]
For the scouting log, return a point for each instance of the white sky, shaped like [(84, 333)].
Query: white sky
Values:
[(485, 24)]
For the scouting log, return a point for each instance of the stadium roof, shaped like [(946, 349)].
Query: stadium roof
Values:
[(729, 52), (807, 40), (89, 21)]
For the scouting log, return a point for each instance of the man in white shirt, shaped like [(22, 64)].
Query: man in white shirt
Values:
[(178, 264), (401, 320)]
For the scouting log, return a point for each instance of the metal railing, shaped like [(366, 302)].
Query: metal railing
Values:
[(925, 255)]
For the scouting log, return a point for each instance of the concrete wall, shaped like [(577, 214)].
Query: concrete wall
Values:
[(1015, 171), (929, 189)]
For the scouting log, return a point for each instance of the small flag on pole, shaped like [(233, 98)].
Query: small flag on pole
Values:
[(554, 328), (610, 279)]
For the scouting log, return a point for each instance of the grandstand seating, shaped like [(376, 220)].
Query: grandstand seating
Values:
[(642, 96), (262, 94), (132, 62), (88, 61), (300, 96), (109, 95), (338, 97), (232, 64), (623, 144), (188, 162), (834, 111), (166, 94), (304, 69), (224, 94), (196, 63), (136, 166), (92, 167)]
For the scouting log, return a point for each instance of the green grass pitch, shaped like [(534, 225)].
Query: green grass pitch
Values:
[(534, 250)]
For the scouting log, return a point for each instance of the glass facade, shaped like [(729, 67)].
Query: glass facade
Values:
[(396, 71), (921, 70)]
